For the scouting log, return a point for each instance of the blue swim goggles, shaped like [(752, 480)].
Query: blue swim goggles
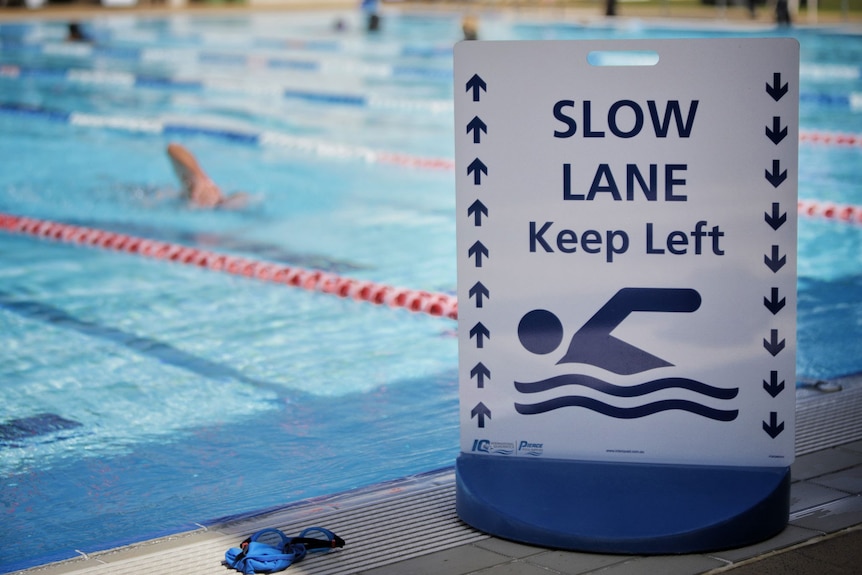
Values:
[(270, 550)]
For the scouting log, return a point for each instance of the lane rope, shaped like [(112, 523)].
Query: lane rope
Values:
[(418, 301), (830, 138), (104, 35), (830, 72), (238, 135), (156, 126), (841, 212), (178, 56), (204, 83)]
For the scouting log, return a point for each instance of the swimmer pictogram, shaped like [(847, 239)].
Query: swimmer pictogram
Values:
[(593, 343), (541, 332)]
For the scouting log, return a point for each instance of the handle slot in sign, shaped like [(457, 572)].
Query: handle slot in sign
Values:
[(623, 58)]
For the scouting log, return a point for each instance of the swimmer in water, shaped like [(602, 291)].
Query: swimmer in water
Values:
[(470, 27), (76, 33), (198, 188)]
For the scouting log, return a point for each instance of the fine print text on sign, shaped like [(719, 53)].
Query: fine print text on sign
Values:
[(627, 249)]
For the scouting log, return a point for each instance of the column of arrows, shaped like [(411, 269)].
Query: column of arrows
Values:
[(775, 258), (478, 253)]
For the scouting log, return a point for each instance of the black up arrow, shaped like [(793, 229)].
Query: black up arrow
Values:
[(477, 209), (480, 372), (478, 250), (776, 219), (482, 412), (773, 304), (776, 133), (774, 263), (773, 387), (772, 345), (477, 126), (776, 177), (773, 428), (477, 168), (776, 90), (476, 84), (480, 332), (479, 291)]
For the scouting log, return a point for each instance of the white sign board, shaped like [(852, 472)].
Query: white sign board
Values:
[(627, 249)]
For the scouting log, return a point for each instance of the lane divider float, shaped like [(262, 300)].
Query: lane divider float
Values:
[(840, 212), (155, 126), (830, 138), (177, 56), (204, 83), (830, 72), (418, 301), (48, 41), (29, 35), (853, 100), (264, 138)]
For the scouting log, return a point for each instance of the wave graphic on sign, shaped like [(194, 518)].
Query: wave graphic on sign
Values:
[(627, 391), (627, 412), (638, 390)]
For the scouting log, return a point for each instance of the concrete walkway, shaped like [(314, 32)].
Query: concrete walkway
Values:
[(410, 527)]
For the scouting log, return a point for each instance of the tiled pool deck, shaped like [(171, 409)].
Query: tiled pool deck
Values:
[(410, 527)]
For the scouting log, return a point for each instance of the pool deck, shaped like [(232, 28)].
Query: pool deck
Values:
[(410, 526), (720, 12)]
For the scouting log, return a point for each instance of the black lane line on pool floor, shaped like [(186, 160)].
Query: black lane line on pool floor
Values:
[(164, 352)]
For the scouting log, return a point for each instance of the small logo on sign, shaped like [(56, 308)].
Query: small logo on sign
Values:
[(530, 448), (493, 447)]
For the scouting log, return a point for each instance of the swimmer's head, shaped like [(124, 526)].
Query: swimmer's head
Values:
[(470, 27)]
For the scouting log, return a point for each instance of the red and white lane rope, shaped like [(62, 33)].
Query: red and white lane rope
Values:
[(436, 304), (830, 138), (845, 213)]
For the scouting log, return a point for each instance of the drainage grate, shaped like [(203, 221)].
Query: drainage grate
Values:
[(382, 525), (400, 523), (830, 419)]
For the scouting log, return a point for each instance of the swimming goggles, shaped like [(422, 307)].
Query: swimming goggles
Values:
[(270, 550)]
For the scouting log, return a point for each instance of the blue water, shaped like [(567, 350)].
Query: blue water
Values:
[(141, 397)]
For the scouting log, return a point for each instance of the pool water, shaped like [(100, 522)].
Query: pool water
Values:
[(141, 397)]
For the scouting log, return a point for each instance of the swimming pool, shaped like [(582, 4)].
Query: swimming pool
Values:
[(143, 397)]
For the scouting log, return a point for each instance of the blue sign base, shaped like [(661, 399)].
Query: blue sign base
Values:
[(627, 508)]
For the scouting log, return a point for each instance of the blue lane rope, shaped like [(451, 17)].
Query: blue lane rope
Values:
[(98, 77), (852, 100), (249, 137), (223, 59), (32, 34)]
